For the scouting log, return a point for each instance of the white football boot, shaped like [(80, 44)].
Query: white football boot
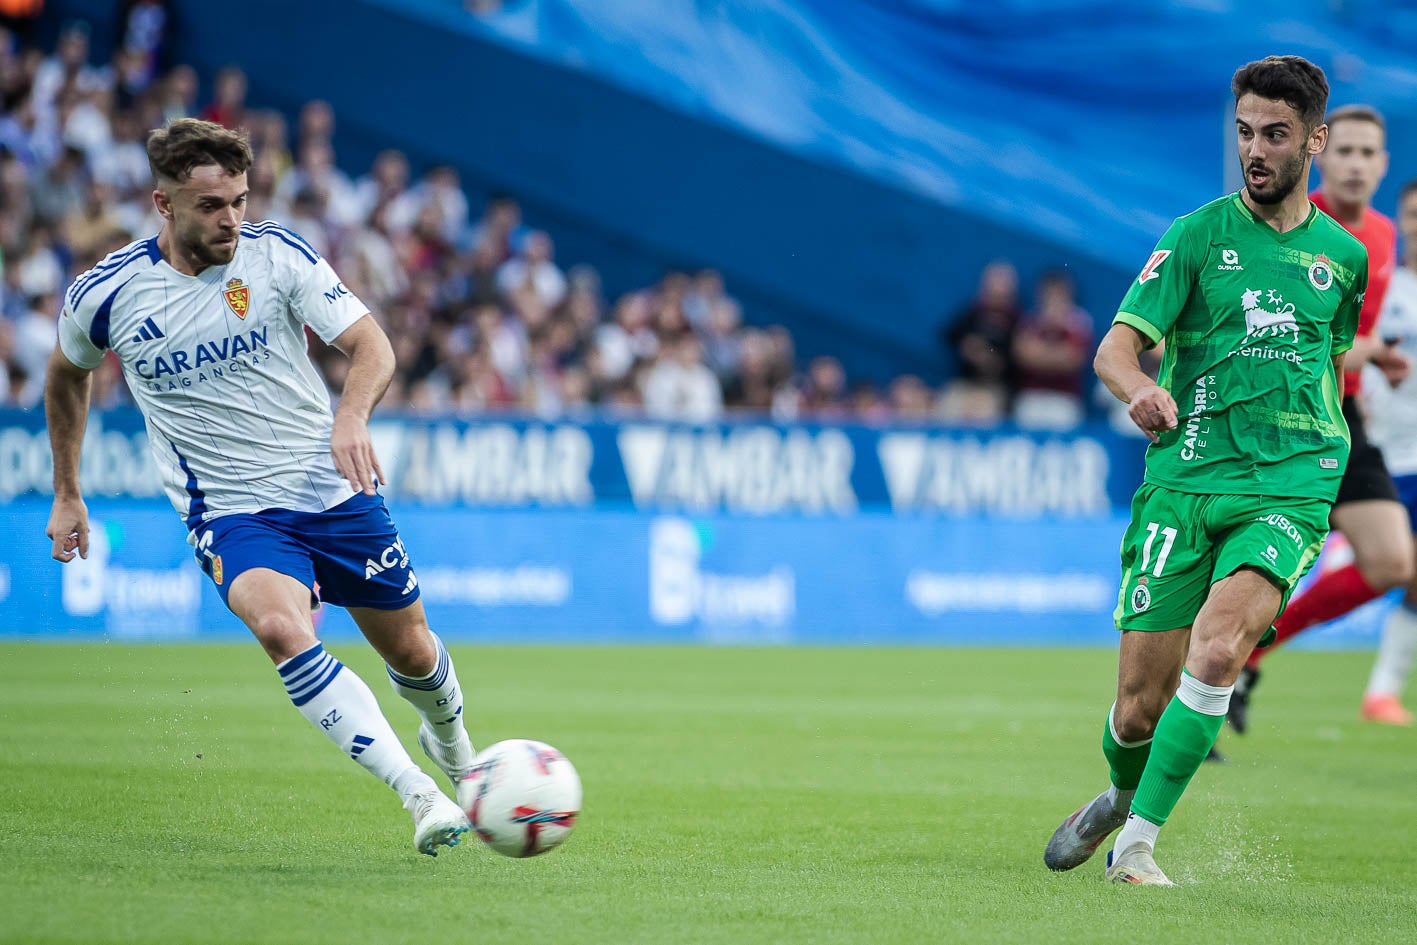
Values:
[(437, 821), (1135, 866)]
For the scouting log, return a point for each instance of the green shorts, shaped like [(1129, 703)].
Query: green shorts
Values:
[(1178, 544)]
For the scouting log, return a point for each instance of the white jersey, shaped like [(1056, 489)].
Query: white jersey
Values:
[(238, 418), (1392, 414)]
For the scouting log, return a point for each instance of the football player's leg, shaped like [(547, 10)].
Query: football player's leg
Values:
[(1166, 572), (276, 607), (1382, 702), (1236, 614), (422, 672), (363, 565), (1148, 666), (1380, 535)]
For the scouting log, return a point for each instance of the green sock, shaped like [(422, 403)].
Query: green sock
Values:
[(1183, 738), (1126, 761)]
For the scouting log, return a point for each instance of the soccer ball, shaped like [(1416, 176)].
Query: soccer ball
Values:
[(526, 799)]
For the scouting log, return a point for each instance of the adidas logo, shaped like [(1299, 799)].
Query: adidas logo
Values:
[(361, 742), (408, 588), (149, 331)]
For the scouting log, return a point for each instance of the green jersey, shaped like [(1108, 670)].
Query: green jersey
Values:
[(1251, 318)]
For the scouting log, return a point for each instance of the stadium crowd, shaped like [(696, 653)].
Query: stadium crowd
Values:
[(483, 315)]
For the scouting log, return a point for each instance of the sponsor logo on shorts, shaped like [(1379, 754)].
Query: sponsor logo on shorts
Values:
[(393, 556), (1271, 554), (1141, 598), (1282, 523), (1328, 462)]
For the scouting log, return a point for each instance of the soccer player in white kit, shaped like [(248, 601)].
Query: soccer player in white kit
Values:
[(207, 319), (1392, 421)]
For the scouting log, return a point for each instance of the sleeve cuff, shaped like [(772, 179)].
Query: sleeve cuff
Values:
[(1140, 324)]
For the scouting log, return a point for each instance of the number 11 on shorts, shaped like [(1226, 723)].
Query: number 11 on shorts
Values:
[(1168, 538)]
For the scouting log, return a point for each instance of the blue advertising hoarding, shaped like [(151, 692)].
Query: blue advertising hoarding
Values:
[(637, 532)]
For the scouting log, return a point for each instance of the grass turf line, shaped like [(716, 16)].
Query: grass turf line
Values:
[(171, 794)]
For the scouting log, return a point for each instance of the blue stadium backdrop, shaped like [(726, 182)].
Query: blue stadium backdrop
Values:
[(599, 531)]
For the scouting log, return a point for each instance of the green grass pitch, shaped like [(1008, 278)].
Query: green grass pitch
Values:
[(171, 794)]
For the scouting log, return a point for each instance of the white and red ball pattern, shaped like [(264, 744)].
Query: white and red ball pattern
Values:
[(527, 797)]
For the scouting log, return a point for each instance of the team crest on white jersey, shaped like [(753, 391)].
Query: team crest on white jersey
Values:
[(238, 297), (1275, 321)]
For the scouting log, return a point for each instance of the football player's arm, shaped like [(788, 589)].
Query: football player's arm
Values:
[(66, 409), (371, 367), (1118, 364)]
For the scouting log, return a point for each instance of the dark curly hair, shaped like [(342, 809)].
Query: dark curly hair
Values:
[(1293, 80)]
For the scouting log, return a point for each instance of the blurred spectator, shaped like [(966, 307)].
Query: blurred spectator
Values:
[(179, 94), (981, 337), (67, 68), (228, 104), (317, 123), (627, 339), (910, 398), (58, 191), (1052, 349), (146, 24), (92, 225), (34, 335), (702, 295), (821, 395), (500, 231), (680, 386), (479, 312), (22, 136), (532, 279), (385, 183), (723, 338)]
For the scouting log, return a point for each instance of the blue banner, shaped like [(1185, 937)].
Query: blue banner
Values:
[(628, 576), (738, 469)]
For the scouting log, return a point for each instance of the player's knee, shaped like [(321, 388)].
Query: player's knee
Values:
[(1384, 572), (1135, 715), (413, 653), (283, 635)]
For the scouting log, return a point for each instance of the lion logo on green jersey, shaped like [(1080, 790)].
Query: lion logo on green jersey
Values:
[(1276, 321)]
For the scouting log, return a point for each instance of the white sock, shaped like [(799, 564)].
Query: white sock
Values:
[(1394, 659), (437, 697), (338, 703), (1137, 831), (1120, 800)]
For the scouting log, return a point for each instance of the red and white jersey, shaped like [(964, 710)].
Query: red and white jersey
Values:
[(238, 418), (1379, 238)]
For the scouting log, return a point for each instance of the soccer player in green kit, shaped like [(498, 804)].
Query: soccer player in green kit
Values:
[(1256, 296)]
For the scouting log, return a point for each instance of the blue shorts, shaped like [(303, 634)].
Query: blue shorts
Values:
[(352, 550), (1407, 495)]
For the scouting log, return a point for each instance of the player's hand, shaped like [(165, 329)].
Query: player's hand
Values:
[(1153, 410), (353, 452), (69, 529), (1394, 363)]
